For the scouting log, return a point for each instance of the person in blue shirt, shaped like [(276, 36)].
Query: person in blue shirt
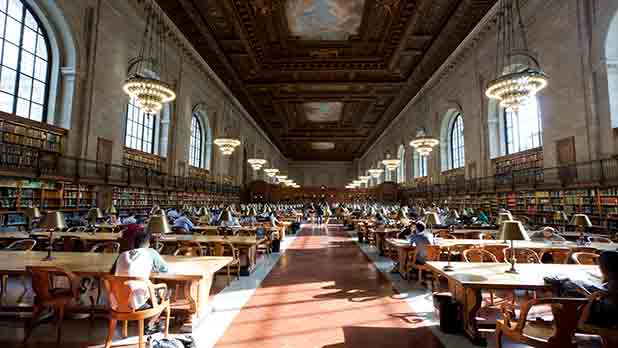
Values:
[(421, 239), (183, 222), (173, 214)]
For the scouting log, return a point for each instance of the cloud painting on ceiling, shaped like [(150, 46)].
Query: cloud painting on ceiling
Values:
[(322, 145), (324, 19), (323, 111)]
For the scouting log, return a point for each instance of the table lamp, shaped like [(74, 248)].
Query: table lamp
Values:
[(513, 230), (581, 221), (154, 209), (432, 219), (31, 214), (52, 221), (93, 215)]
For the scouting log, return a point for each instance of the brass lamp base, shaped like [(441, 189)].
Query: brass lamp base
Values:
[(512, 270), (448, 268)]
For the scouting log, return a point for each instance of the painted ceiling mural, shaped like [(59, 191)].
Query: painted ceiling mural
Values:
[(324, 19), (323, 111)]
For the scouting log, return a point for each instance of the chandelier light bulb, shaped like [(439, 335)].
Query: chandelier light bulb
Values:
[(227, 145)]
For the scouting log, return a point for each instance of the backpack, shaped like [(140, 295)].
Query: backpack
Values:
[(177, 342)]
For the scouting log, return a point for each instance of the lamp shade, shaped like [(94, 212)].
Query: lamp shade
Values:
[(513, 230), (581, 220), (154, 209), (503, 217), (252, 212), (158, 224), (95, 213), (53, 220), (226, 216), (112, 210), (432, 218), (33, 213)]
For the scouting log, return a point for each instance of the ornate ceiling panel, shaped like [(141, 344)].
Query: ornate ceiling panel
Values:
[(325, 71)]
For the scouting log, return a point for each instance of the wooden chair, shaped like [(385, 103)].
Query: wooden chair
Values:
[(189, 249), (246, 233), (433, 254), (77, 229), (46, 295), (119, 292), (479, 255), (445, 235), (497, 250), (522, 255), (226, 248), (558, 255), (180, 230), (158, 246), (18, 245), (487, 236), (600, 240), (106, 248), (540, 333), (72, 243), (608, 335), (225, 231), (583, 258), (210, 232)]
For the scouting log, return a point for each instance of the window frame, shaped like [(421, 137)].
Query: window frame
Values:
[(199, 149), (26, 8), (131, 104), (509, 117), (420, 165), (457, 143)]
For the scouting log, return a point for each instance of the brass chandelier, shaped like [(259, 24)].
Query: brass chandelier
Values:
[(424, 144), (375, 172), (390, 163), (151, 92), (519, 74)]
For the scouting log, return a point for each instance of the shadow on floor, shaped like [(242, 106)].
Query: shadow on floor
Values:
[(386, 337)]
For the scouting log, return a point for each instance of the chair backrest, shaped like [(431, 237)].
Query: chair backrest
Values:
[(247, 233), (22, 245), (497, 250), (522, 255), (43, 281), (558, 255), (487, 236), (461, 247), (180, 230), (225, 231), (120, 292), (583, 258), (72, 243), (473, 235), (445, 235), (106, 248), (210, 232), (158, 246), (224, 248), (600, 240), (479, 255), (189, 250), (433, 252)]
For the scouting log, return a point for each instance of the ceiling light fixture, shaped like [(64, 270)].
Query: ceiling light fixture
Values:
[(151, 92), (256, 163), (390, 163), (424, 144), (375, 172), (519, 74), (271, 172)]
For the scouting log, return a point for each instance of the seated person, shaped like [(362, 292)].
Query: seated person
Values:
[(273, 220), (547, 234), (451, 219), (482, 218), (249, 220), (139, 262), (183, 222), (603, 312), (421, 238), (173, 214), (129, 219), (231, 222)]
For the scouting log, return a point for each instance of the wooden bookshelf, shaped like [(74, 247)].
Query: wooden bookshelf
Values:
[(527, 163), (139, 159)]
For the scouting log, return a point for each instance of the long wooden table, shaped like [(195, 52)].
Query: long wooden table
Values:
[(467, 280), (246, 245), (195, 273), (403, 247)]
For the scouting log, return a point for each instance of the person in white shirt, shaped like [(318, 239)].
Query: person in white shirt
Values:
[(139, 262), (129, 220)]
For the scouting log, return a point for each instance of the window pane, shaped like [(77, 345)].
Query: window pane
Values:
[(38, 92), (2, 19), (7, 80), (26, 65), (3, 4), (6, 102), (36, 112), (15, 9), (10, 55), (13, 30), (23, 108), (29, 43), (41, 47), (25, 87), (30, 21)]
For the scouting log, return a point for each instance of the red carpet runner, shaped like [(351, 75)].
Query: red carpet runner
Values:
[(322, 293)]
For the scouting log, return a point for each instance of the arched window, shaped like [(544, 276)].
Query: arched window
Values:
[(522, 129), (200, 119), (401, 169), (196, 147), (457, 143), (420, 165), (611, 61), (141, 129), (24, 62)]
